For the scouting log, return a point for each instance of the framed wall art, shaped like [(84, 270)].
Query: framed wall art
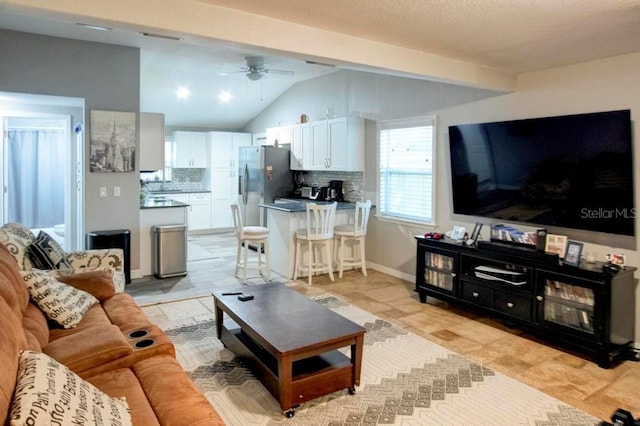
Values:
[(113, 142)]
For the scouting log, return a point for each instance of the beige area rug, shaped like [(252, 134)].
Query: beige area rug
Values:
[(406, 380)]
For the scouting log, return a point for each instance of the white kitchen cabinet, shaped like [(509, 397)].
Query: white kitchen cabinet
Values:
[(224, 174), (333, 145), (298, 161), (315, 138), (281, 135), (190, 150), (151, 141), (199, 210)]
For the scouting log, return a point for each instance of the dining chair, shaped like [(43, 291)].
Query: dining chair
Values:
[(246, 236), (318, 232), (355, 232)]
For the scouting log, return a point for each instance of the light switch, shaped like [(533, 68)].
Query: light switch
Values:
[(103, 192), (116, 191)]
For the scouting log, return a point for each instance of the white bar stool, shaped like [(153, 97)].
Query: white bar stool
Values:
[(356, 232), (319, 231), (258, 236)]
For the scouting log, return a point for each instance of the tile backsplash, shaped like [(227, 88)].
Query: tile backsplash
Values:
[(352, 187), (182, 180)]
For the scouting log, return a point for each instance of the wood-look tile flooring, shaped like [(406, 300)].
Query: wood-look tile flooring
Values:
[(567, 376)]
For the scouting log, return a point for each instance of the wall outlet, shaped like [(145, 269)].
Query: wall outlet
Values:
[(116, 191), (103, 192)]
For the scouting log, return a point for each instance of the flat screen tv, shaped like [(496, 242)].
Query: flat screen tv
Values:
[(573, 171)]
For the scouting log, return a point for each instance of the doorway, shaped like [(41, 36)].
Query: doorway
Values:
[(42, 166)]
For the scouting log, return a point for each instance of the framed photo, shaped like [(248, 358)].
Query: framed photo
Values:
[(113, 141), (476, 232), (556, 244), (572, 255), (457, 233)]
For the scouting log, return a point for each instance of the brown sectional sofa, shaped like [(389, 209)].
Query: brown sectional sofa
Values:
[(101, 349)]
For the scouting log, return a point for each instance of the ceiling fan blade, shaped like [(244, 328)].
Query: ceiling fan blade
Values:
[(233, 72), (278, 72)]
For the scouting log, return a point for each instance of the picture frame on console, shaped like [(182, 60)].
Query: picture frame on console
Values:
[(572, 254), (556, 244)]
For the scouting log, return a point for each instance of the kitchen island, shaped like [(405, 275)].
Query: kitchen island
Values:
[(155, 212), (283, 220)]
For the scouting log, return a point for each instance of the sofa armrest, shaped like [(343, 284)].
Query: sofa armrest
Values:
[(89, 348), (97, 282), (100, 258)]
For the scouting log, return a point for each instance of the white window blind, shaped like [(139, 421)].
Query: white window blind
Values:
[(406, 169)]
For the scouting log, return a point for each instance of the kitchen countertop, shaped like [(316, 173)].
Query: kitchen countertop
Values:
[(151, 203), (301, 206)]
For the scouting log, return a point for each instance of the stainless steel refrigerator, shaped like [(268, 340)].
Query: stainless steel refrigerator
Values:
[(263, 175)]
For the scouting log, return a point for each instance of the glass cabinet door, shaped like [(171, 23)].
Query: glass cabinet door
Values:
[(568, 304), (438, 270)]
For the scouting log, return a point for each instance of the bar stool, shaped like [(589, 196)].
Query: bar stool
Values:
[(319, 231), (356, 232), (257, 235)]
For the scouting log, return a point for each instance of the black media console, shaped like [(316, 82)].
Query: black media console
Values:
[(583, 308)]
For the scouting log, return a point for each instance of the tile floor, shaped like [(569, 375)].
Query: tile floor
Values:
[(566, 376)]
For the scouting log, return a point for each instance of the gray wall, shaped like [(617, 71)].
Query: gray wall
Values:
[(108, 78)]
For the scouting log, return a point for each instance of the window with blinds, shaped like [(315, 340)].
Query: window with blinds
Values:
[(406, 153)]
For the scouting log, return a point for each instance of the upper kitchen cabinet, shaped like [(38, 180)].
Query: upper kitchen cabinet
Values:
[(299, 157), (151, 141), (281, 135), (224, 147), (333, 145), (190, 150)]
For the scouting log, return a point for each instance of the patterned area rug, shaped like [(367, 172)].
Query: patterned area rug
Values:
[(406, 380)]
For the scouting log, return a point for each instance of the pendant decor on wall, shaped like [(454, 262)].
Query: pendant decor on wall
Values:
[(113, 141)]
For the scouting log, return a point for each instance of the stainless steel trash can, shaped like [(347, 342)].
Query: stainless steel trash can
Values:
[(170, 250)]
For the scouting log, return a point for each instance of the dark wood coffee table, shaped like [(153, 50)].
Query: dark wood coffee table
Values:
[(291, 343)]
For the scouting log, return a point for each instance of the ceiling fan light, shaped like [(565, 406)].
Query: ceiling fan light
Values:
[(254, 76)]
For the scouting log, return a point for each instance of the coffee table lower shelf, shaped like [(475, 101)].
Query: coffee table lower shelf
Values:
[(312, 377)]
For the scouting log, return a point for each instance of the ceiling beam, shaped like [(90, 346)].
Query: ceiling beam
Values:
[(201, 23)]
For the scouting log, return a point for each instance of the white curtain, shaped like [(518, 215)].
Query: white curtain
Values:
[(36, 183)]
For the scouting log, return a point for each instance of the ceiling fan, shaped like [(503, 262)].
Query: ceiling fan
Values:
[(255, 69)]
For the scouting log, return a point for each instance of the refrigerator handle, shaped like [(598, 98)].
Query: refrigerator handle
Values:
[(245, 179)]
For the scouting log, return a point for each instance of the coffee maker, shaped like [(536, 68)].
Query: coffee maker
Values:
[(335, 190)]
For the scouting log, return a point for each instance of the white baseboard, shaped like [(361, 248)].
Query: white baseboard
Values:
[(392, 272)]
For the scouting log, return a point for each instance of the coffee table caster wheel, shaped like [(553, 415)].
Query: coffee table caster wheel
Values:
[(352, 391), (290, 413)]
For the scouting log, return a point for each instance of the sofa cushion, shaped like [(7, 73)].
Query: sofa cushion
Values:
[(94, 318), (122, 382), (60, 302), (184, 405), (46, 253), (89, 348), (98, 283), (12, 289), (34, 323), (12, 339), (68, 397), (17, 238)]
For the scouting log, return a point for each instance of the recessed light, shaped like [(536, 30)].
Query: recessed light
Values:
[(225, 96), (93, 27), (183, 92)]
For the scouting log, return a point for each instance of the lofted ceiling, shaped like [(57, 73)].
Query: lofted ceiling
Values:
[(513, 36)]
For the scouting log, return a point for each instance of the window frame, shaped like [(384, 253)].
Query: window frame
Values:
[(421, 121)]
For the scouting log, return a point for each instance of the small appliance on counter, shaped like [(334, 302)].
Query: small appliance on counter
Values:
[(335, 191)]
